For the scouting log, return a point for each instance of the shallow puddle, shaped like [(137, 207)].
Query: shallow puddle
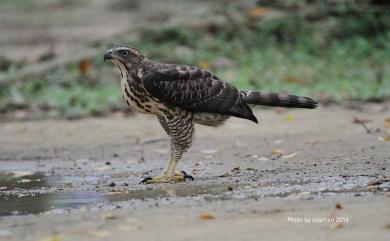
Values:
[(28, 193)]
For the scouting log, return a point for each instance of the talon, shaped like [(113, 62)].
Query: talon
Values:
[(145, 180), (186, 176)]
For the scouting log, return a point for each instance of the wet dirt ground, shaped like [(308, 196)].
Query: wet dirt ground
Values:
[(311, 173)]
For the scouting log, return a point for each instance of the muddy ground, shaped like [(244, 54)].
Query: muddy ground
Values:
[(79, 180)]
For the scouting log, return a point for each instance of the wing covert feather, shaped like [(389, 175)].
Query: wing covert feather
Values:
[(195, 90)]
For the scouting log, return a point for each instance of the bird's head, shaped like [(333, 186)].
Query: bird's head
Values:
[(124, 55)]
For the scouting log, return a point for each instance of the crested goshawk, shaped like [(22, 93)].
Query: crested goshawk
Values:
[(181, 96)]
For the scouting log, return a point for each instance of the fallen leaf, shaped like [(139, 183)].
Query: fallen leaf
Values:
[(52, 238), (85, 65), (129, 228), (288, 118), (78, 232), (362, 122), (336, 225), (276, 151), (110, 216), (387, 123), (257, 12), (289, 155), (207, 216), (359, 120), (294, 80), (338, 206), (312, 142), (384, 138), (99, 233), (203, 64), (100, 167)]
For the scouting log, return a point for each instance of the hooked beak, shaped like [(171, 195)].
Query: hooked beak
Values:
[(108, 54)]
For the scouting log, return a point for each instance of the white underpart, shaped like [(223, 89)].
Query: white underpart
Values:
[(124, 75)]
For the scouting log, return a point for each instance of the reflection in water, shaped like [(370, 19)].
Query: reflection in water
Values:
[(11, 202), (22, 180), (22, 203)]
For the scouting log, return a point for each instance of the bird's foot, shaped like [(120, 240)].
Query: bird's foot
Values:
[(165, 178)]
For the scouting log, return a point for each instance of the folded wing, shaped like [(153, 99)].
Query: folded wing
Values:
[(196, 90)]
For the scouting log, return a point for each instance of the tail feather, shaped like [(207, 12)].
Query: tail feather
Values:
[(278, 99)]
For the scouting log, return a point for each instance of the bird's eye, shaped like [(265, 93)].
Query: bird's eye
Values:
[(124, 52)]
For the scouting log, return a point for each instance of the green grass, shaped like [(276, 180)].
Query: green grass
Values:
[(273, 55), (67, 91)]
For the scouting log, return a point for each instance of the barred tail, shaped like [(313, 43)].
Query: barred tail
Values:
[(278, 99)]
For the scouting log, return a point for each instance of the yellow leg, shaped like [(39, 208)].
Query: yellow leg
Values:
[(169, 175), (166, 171), (168, 167)]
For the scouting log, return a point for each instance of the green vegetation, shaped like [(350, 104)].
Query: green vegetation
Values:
[(348, 62)]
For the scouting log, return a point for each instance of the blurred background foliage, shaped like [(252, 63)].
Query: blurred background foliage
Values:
[(330, 50)]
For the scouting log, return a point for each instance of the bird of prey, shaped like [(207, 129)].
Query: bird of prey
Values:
[(181, 96)]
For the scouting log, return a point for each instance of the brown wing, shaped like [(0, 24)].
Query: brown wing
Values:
[(196, 90)]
